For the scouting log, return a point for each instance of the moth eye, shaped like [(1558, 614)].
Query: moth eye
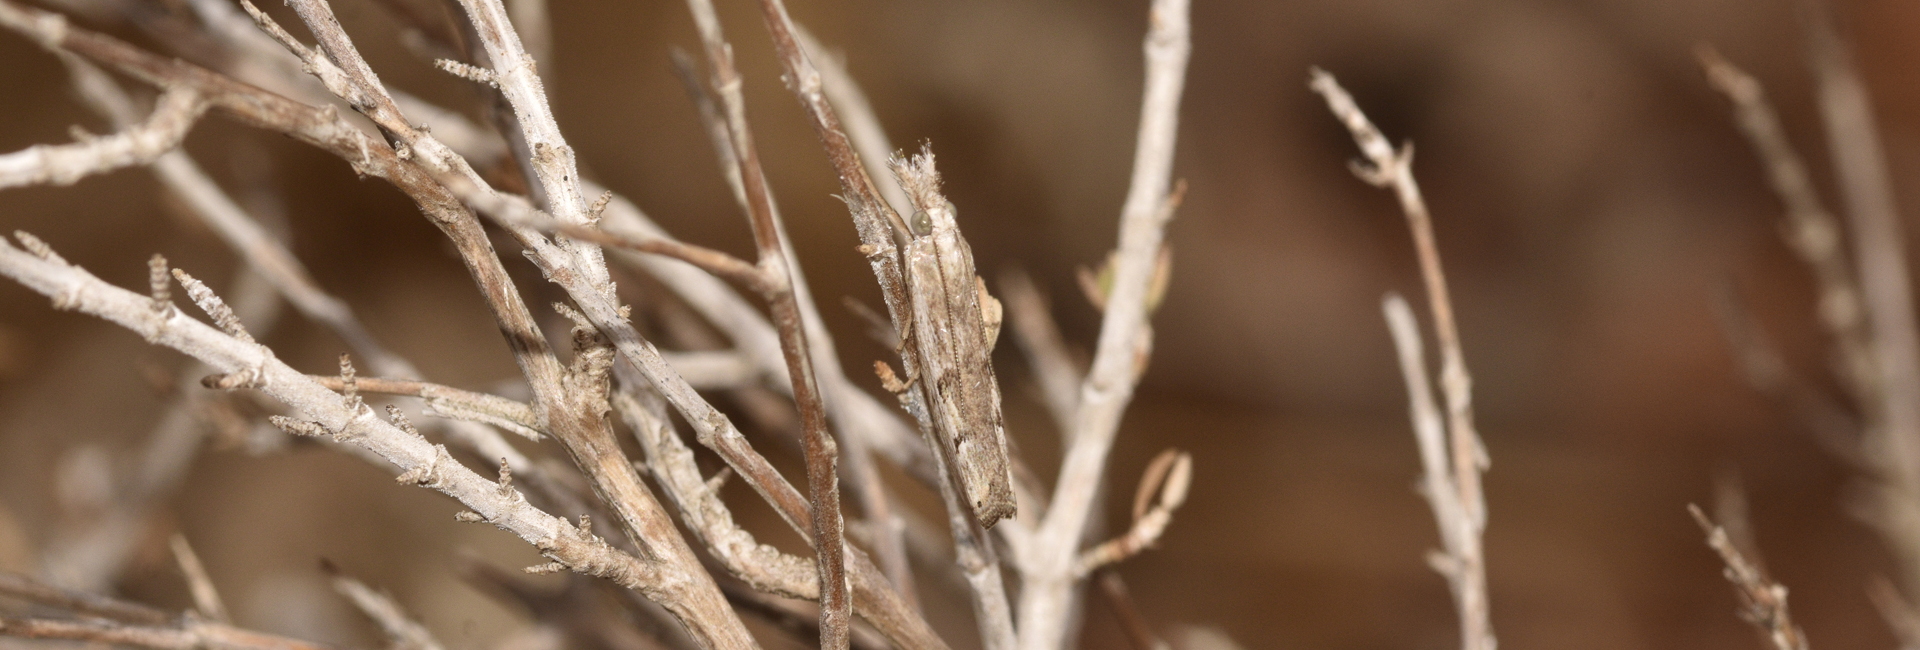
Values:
[(921, 223), (952, 211)]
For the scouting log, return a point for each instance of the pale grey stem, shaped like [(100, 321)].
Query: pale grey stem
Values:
[(1047, 570), (671, 463), (535, 27), (323, 412), (1853, 142), (514, 74), (269, 257), (174, 115)]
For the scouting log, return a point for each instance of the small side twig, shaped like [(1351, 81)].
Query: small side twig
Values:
[(1162, 490), (206, 599), (403, 632), (1763, 602), (172, 117)]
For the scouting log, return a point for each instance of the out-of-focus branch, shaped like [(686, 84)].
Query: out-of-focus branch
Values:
[(172, 117), (206, 599), (1811, 231), (91, 557), (1763, 602), (403, 633), (1139, 632), (1866, 189), (1459, 506), (1054, 369), (81, 602), (1831, 425), (188, 634)]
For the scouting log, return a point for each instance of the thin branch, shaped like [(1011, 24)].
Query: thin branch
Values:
[(1464, 563), (1853, 142), (822, 452), (172, 117), (206, 599), (862, 124), (323, 412), (1125, 337), (1168, 477), (449, 402), (403, 633), (188, 635), (1810, 230), (857, 452), (1763, 602), (1054, 369), (671, 463), (25, 588), (1138, 631)]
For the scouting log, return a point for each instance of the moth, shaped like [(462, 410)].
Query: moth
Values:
[(955, 324)]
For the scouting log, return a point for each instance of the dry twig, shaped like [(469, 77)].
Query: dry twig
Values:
[(1453, 470), (1763, 602), (138, 144)]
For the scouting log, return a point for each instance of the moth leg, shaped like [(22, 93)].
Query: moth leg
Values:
[(891, 381), (990, 312)]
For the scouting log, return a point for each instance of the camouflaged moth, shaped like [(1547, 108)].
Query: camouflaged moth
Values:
[(955, 324)]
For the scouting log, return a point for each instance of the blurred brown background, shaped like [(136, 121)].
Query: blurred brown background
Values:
[(1590, 195)]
